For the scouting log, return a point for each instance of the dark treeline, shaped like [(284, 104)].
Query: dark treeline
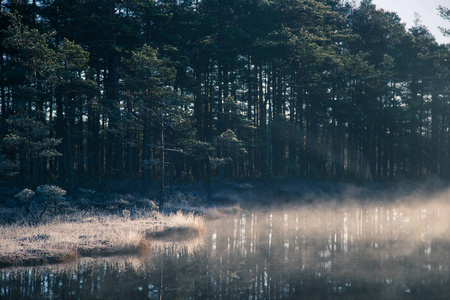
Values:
[(139, 94)]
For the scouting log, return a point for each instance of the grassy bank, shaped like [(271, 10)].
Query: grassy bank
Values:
[(67, 238), (95, 224)]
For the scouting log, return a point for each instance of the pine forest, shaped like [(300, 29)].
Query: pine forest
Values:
[(144, 94)]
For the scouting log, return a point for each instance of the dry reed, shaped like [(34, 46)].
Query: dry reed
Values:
[(60, 240)]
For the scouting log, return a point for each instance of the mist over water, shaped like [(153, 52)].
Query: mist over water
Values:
[(382, 250)]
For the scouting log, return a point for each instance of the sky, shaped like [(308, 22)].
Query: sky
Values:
[(427, 10)]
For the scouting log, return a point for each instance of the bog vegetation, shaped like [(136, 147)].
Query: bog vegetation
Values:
[(62, 239), (145, 94)]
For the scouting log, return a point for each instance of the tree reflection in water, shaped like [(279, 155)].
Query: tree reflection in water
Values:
[(376, 252)]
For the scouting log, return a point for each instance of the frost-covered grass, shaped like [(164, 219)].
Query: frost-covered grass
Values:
[(64, 239)]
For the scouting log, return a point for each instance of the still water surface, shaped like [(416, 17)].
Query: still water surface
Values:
[(330, 252)]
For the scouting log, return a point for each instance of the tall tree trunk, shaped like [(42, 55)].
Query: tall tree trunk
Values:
[(2, 95), (69, 125), (264, 156), (209, 176), (146, 154), (435, 130), (129, 142), (69, 156), (116, 119), (312, 137), (162, 168), (94, 143), (61, 133)]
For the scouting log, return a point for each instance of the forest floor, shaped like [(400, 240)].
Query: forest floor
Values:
[(98, 224)]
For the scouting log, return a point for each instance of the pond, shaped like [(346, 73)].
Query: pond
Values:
[(305, 252)]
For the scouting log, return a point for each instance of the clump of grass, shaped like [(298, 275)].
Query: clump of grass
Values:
[(183, 201), (144, 247), (66, 239), (180, 219)]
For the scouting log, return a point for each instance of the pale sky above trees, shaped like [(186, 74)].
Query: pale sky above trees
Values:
[(427, 10)]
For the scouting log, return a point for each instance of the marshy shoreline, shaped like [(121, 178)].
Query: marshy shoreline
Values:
[(131, 225), (67, 238)]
